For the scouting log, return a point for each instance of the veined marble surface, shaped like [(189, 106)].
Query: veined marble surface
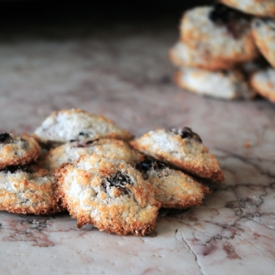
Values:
[(123, 73)]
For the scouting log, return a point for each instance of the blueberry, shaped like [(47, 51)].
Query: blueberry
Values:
[(14, 168), (235, 21), (119, 180), (83, 134), (186, 132), (149, 164), (4, 137), (221, 13)]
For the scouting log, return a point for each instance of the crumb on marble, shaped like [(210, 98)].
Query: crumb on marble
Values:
[(247, 144)]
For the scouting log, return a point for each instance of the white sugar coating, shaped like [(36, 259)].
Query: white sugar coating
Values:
[(263, 82), (264, 34), (200, 32), (221, 84), (181, 54), (160, 139), (255, 7), (65, 125)]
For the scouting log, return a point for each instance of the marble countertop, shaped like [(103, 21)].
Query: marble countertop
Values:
[(122, 71)]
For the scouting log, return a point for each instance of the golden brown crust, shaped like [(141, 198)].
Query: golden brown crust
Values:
[(21, 150), (186, 154), (263, 8), (27, 192), (200, 60), (264, 35), (129, 209), (174, 189), (226, 85), (263, 82), (70, 152), (199, 32)]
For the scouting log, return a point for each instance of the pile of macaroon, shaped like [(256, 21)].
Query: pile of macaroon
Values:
[(85, 164), (227, 50)]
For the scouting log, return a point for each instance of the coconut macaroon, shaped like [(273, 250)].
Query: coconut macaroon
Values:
[(17, 150), (256, 7), (222, 32), (182, 55), (110, 194), (218, 84), (70, 152), (263, 81), (27, 190), (263, 31), (173, 188), (75, 124), (181, 148)]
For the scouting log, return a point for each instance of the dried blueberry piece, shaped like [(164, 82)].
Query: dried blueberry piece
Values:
[(91, 141), (221, 13), (4, 137), (84, 134), (15, 168), (86, 143), (119, 180), (147, 165), (160, 165), (11, 169), (235, 21), (186, 132), (150, 164)]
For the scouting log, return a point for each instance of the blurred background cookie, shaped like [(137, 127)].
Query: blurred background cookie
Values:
[(183, 56), (218, 84), (263, 81), (222, 32), (256, 7), (263, 31)]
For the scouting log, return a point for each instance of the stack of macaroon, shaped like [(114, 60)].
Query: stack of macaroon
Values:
[(85, 164), (227, 50)]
